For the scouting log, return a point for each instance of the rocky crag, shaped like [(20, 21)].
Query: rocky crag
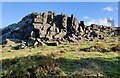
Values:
[(48, 28)]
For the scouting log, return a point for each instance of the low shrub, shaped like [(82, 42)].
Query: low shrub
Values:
[(31, 66)]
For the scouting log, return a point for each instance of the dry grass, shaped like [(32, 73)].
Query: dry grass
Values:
[(102, 46), (58, 53), (115, 47)]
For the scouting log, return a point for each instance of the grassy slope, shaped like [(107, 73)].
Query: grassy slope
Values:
[(72, 60)]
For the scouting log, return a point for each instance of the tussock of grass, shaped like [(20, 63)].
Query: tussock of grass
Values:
[(58, 53), (116, 47), (102, 46)]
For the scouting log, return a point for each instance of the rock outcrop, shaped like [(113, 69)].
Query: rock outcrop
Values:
[(50, 29)]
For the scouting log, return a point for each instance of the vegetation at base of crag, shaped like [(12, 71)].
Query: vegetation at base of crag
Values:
[(62, 60)]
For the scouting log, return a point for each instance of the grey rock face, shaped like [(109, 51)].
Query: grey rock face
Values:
[(48, 27)]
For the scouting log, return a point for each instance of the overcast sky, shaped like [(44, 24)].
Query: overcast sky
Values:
[(90, 12)]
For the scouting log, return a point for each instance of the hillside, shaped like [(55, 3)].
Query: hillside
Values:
[(49, 45)]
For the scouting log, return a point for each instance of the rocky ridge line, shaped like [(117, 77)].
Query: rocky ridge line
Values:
[(48, 28)]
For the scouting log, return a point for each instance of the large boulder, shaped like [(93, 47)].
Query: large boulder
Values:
[(94, 33), (82, 26), (94, 26), (52, 43)]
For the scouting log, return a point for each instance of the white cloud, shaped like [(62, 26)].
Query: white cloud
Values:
[(92, 21), (108, 9), (116, 25), (101, 21), (86, 17)]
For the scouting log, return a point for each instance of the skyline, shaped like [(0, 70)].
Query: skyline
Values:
[(93, 12)]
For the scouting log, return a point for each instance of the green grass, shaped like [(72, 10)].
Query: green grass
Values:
[(73, 61)]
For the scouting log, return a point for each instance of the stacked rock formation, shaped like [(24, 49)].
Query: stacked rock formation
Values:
[(47, 27)]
